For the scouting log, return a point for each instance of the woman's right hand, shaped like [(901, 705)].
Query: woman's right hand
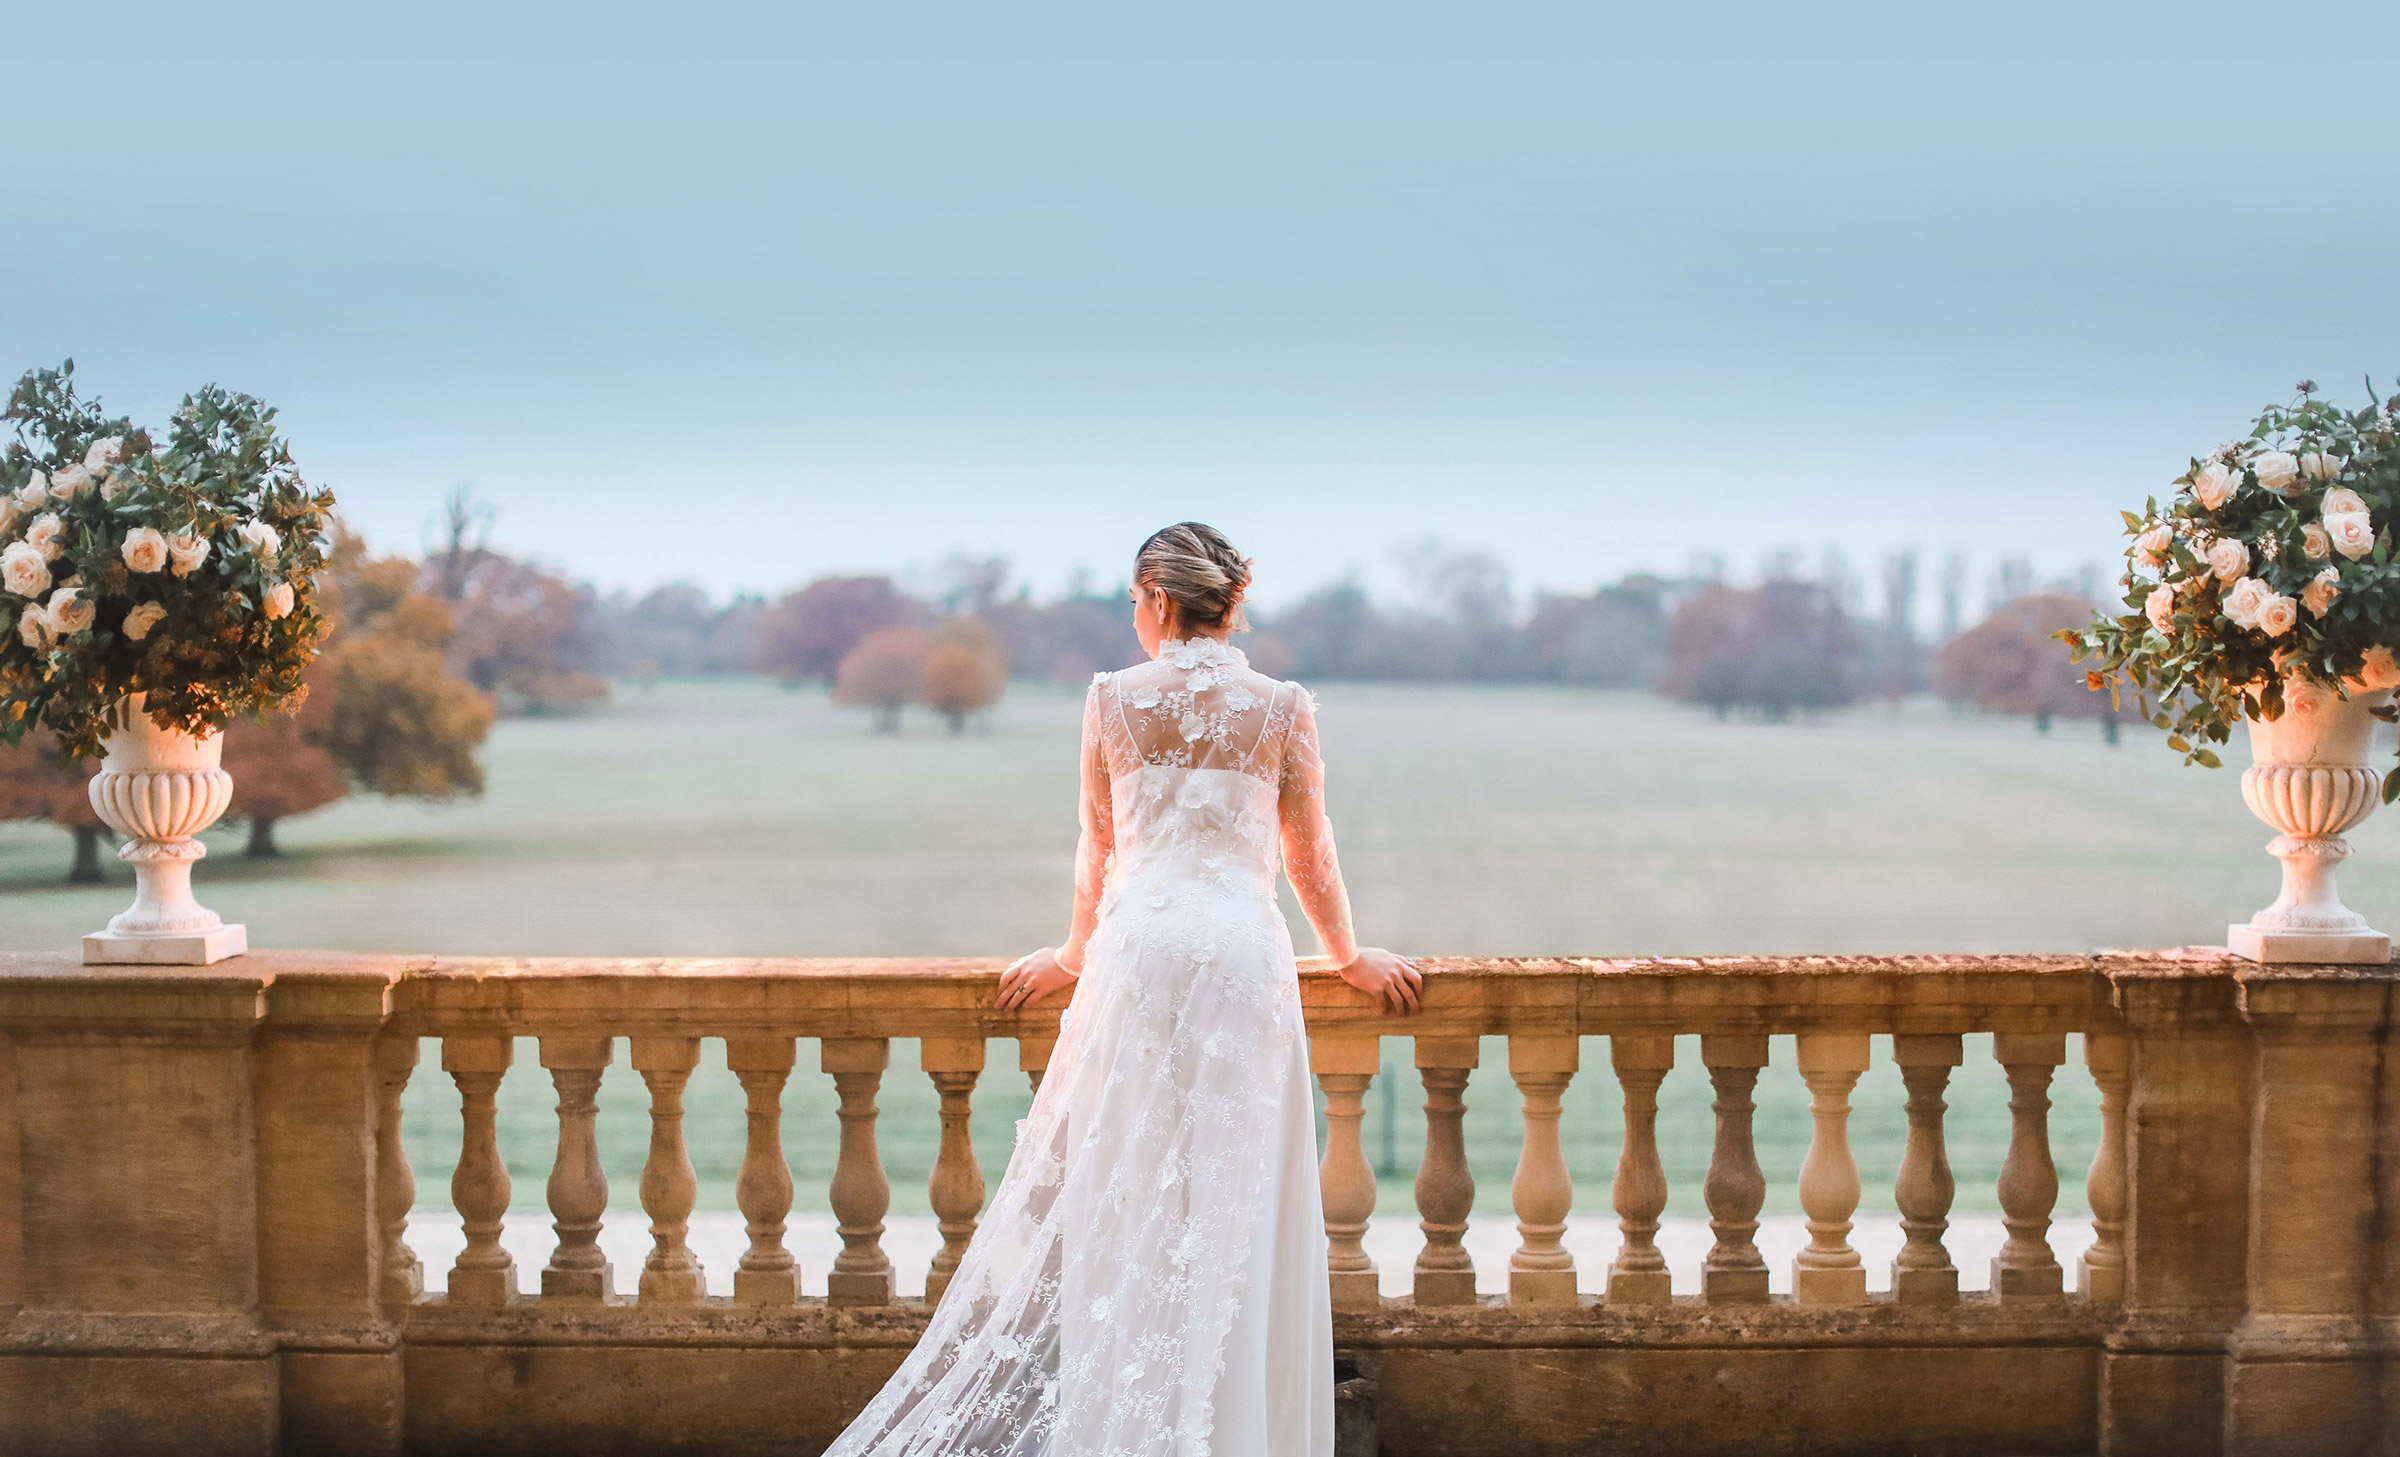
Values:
[(1391, 979)]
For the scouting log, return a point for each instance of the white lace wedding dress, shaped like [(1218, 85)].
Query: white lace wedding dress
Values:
[(1150, 1276)]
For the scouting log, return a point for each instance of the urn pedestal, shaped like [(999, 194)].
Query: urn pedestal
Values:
[(2309, 778), (160, 788)]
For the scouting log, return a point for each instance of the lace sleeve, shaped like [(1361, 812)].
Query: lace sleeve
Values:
[(1308, 854), (1096, 846)]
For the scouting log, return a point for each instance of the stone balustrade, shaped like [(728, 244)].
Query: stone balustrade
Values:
[(204, 1204)]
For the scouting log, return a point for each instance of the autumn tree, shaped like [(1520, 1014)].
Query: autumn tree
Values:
[(809, 633), (1774, 648), (2010, 663), (282, 767), (885, 673), (39, 782), (964, 670), (523, 635), (400, 722), (384, 713)]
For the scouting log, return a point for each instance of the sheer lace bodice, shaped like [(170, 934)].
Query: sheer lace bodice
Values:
[(1149, 1280), (1194, 764)]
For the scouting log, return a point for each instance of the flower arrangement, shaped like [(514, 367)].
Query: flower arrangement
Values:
[(183, 572), (2273, 561)]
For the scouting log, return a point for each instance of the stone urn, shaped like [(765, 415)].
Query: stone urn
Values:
[(160, 788), (2310, 779)]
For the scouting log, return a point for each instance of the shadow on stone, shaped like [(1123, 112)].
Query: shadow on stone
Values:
[(1354, 1408)]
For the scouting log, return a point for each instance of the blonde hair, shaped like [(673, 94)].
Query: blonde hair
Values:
[(1199, 571)]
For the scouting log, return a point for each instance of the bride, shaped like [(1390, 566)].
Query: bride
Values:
[(1150, 1277)]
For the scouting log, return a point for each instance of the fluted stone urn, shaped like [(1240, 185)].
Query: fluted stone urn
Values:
[(2309, 778), (160, 788)]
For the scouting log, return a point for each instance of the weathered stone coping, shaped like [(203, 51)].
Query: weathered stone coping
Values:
[(951, 996), (1978, 1320)]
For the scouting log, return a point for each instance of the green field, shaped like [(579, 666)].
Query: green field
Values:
[(729, 817)]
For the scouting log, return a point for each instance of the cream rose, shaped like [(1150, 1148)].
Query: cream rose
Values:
[(24, 570), (2314, 543), (2381, 671), (2277, 614), (68, 482), (104, 453), (2213, 484), (2159, 607), (33, 629), (2342, 501), (2241, 604), (259, 537), (2318, 466), (2351, 534), (187, 552), (34, 494), (2276, 469), (145, 549), (8, 514), (141, 619), (2228, 559), (2150, 548), (42, 535), (276, 601), (2318, 596), (70, 611)]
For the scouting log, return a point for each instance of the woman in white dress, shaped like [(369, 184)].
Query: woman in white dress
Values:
[(1150, 1275)]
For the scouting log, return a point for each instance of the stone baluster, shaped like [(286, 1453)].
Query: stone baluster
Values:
[(1639, 1275), (2026, 1268), (1033, 1055), (767, 1274), (403, 1277), (1445, 1272), (956, 1188), (578, 1274), (1541, 1272), (483, 1274), (1345, 1069), (2100, 1273), (671, 1275), (1828, 1271), (1736, 1189), (1922, 1273), (862, 1273)]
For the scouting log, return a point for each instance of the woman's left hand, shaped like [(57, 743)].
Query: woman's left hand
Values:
[(1031, 978)]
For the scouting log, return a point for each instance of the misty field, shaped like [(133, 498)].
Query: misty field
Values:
[(730, 817)]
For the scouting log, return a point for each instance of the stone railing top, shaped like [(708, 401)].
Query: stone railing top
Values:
[(951, 996)]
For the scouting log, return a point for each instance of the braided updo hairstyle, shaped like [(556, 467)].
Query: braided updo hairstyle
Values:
[(1199, 571)]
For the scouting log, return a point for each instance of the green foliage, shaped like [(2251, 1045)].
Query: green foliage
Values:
[(223, 613), (2312, 593)]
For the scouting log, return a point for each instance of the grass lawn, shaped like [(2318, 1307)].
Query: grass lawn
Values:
[(730, 818)]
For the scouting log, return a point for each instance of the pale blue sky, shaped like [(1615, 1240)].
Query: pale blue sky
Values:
[(746, 306)]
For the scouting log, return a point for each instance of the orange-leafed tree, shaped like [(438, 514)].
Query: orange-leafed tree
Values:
[(2011, 663), (811, 632), (521, 634), (884, 673), (282, 767), (400, 722), (385, 712), (963, 671), (38, 782)]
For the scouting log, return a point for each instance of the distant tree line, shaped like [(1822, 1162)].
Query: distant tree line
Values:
[(427, 651), (1794, 642)]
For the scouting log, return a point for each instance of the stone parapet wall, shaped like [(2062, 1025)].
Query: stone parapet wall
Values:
[(202, 1199)]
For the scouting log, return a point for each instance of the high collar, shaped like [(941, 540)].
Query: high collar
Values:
[(1195, 652)]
